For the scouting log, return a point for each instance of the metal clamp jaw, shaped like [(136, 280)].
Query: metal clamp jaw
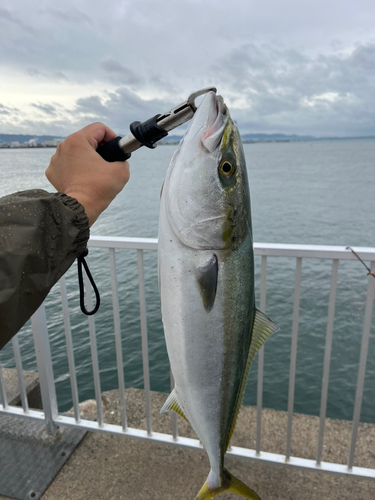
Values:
[(182, 113), (152, 130)]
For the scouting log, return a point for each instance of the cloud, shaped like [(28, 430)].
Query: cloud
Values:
[(48, 109), (117, 109), (267, 89), (281, 66), (124, 74), (91, 106), (7, 110), (70, 15), (273, 89), (11, 19), (47, 75)]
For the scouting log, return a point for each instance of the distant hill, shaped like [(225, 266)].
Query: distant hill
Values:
[(21, 138), (276, 137)]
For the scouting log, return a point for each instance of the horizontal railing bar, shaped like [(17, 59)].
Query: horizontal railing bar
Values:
[(122, 242), (269, 249), (313, 251), (243, 453)]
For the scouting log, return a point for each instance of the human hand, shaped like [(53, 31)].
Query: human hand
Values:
[(77, 170)]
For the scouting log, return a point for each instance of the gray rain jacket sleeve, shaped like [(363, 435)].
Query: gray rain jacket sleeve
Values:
[(41, 234)]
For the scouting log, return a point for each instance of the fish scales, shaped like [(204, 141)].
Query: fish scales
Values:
[(206, 281)]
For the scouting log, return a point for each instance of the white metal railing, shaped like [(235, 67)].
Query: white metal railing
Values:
[(265, 250)]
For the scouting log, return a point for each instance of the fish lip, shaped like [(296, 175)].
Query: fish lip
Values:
[(219, 111), (208, 123), (213, 136)]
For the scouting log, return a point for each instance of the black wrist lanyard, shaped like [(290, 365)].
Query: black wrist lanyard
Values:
[(81, 262)]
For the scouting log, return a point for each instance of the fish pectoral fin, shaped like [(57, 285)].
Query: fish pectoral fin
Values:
[(172, 404), (207, 282), (229, 483)]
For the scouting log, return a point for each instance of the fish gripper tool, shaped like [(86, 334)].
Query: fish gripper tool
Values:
[(152, 130)]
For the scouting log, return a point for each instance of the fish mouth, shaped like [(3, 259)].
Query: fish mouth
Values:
[(212, 137), (209, 121)]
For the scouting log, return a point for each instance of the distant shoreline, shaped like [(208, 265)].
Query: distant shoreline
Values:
[(13, 141)]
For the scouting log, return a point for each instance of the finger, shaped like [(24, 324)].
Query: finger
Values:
[(96, 133)]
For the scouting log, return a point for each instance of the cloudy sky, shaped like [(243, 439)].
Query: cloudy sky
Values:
[(289, 66)]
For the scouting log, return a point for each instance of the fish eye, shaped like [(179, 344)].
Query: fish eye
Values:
[(226, 169)]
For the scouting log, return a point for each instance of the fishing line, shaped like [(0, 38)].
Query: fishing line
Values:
[(360, 260), (362, 301)]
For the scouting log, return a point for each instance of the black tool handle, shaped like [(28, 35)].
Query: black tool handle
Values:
[(148, 132), (111, 151)]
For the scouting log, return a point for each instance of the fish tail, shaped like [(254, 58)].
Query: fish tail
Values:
[(227, 483)]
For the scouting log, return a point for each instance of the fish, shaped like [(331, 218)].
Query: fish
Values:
[(206, 281)]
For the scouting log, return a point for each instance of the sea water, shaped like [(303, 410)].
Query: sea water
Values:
[(301, 192)]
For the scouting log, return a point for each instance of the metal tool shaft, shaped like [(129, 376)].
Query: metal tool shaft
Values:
[(168, 121), (151, 131)]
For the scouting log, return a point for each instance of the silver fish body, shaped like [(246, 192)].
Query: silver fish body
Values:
[(206, 280)]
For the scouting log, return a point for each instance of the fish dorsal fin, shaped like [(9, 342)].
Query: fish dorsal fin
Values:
[(207, 281), (172, 404), (263, 327)]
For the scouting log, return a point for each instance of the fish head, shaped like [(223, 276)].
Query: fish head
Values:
[(206, 189)]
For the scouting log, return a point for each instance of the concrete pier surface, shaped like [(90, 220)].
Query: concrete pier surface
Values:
[(32, 388), (106, 467)]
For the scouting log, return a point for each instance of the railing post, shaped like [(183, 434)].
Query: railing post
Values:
[(327, 358), (117, 325), (174, 415), (3, 394), (69, 349), (45, 370), (21, 380), (362, 365), (293, 355), (94, 354), (263, 287), (146, 370)]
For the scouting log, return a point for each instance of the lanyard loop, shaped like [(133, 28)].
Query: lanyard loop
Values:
[(81, 262)]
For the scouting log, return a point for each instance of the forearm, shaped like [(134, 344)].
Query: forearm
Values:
[(41, 234)]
